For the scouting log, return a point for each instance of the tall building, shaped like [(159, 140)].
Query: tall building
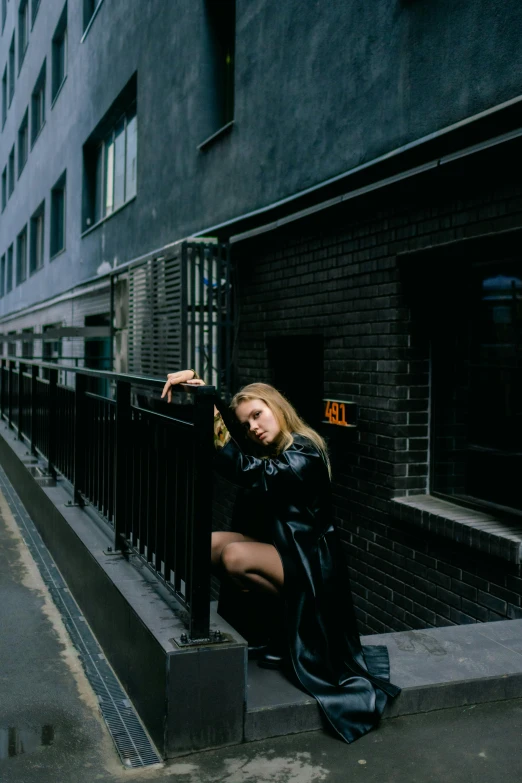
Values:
[(361, 160)]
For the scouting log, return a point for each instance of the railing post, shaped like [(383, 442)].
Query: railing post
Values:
[(52, 421), (34, 394), (201, 522), (10, 394), (121, 490), (80, 437), (21, 368)]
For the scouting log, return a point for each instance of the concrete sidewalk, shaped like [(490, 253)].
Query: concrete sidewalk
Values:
[(51, 730)]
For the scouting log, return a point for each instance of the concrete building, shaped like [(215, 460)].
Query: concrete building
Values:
[(360, 158)]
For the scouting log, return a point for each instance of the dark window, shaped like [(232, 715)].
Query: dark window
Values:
[(38, 105), (36, 255), (51, 349), (59, 54), (110, 167), (35, 5), (477, 386), (9, 275), (21, 256), (11, 345), (23, 31), (4, 97), (4, 13), (222, 24), (23, 143), (27, 345), (11, 173), (4, 188), (98, 353), (58, 217), (2, 275), (89, 7), (11, 63)]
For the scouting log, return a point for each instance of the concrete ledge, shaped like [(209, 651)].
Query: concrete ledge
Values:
[(437, 668), (475, 529), (188, 699)]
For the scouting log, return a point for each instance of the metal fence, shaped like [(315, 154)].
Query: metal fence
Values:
[(145, 466)]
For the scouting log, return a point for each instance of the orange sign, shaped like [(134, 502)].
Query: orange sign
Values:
[(340, 413)]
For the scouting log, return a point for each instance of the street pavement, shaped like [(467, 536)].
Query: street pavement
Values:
[(51, 730)]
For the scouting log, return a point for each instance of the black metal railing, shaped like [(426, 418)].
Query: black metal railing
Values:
[(145, 466)]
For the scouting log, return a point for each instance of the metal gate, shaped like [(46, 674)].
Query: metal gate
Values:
[(181, 313)]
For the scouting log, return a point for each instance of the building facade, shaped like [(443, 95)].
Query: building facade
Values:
[(360, 159)]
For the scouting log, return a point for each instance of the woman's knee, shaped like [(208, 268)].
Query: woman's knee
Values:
[(219, 542), (232, 559)]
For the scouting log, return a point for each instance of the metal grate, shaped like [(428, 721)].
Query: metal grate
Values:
[(181, 314), (132, 742)]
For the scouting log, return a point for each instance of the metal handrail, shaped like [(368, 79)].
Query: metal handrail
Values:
[(148, 474)]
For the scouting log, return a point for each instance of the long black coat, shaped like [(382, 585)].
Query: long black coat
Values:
[(350, 683)]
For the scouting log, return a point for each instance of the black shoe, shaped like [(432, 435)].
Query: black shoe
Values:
[(273, 657), (271, 660), (256, 650)]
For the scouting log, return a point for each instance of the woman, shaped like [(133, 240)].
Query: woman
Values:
[(291, 551)]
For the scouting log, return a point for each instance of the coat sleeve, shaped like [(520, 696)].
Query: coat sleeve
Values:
[(291, 469)]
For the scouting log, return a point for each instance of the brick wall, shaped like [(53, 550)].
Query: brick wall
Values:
[(339, 277)]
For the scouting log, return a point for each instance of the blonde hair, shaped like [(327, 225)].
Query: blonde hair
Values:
[(287, 417)]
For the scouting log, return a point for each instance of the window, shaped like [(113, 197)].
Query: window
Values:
[(4, 13), (23, 143), (35, 5), (27, 345), (58, 217), (51, 349), (221, 16), (4, 188), (4, 97), (110, 168), (23, 31), (477, 417), (38, 105), (36, 255), (9, 276), (11, 62), (21, 256), (11, 345), (2, 276), (59, 54), (11, 173), (89, 7)]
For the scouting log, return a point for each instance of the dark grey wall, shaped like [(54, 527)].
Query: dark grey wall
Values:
[(320, 88)]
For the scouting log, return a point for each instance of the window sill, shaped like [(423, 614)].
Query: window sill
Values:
[(475, 529), (40, 129), (91, 21), (107, 217), (215, 136), (58, 91), (58, 253)]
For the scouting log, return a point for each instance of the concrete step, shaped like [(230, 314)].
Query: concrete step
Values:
[(436, 668)]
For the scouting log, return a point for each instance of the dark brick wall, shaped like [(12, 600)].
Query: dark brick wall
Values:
[(339, 277)]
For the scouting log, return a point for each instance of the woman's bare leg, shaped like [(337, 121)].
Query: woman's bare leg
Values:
[(253, 565), (220, 540)]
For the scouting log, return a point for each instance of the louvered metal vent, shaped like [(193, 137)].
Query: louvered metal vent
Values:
[(180, 313)]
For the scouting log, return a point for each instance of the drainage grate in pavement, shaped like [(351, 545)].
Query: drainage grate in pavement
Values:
[(132, 742)]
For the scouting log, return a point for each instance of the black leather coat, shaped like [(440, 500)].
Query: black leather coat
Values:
[(350, 683)]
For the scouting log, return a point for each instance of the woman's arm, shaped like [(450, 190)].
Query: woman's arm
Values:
[(297, 464)]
